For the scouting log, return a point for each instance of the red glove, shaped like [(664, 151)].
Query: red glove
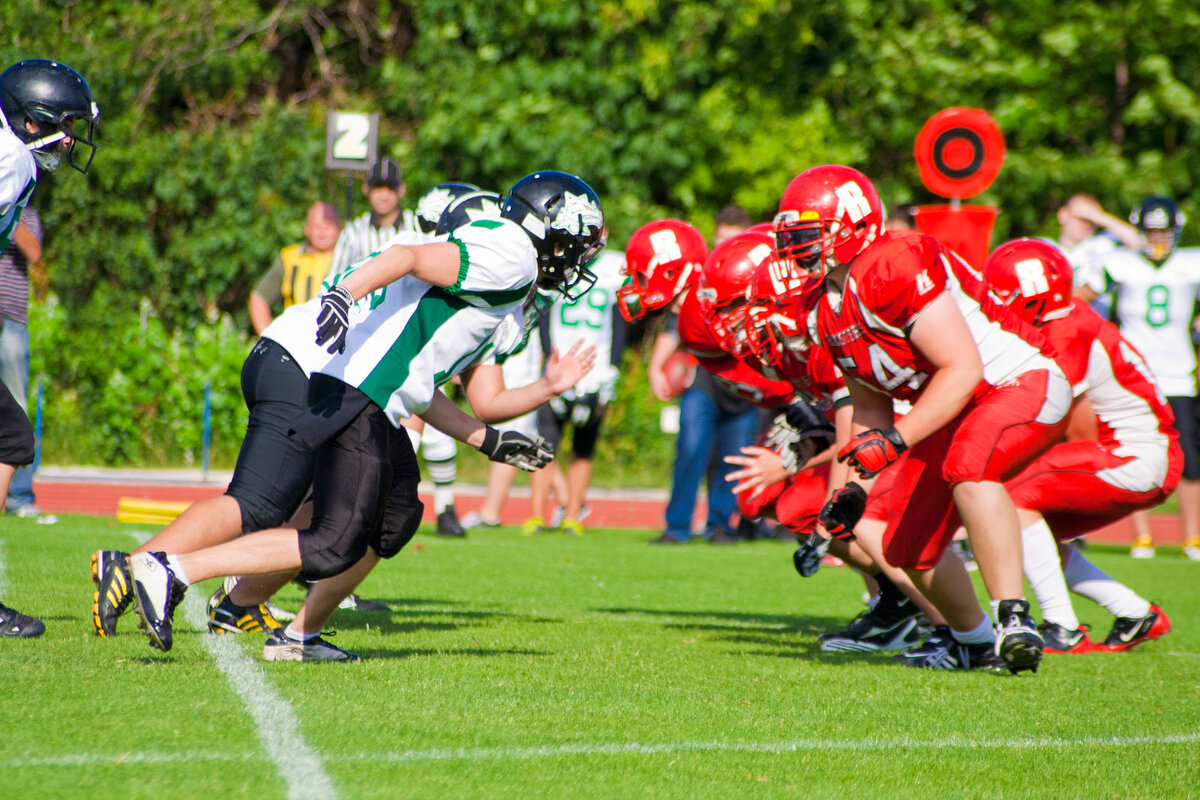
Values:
[(870, 452)]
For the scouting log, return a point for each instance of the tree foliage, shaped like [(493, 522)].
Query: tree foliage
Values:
[(214, 114)]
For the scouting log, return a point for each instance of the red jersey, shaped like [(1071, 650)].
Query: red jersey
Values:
[(1128, 403), (738, 376), (865, 327)]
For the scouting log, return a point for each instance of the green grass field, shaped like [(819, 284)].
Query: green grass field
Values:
[(593, 667)]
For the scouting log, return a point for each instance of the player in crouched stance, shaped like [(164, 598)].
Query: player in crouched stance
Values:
[(395, 328), (1123, 453), (906, 318)]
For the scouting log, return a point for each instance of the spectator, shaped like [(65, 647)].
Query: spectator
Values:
[(299, 270), (1153, 290), (900, 218), (1087, 232), (590, 318), (23, 251), (729, 222), (709, 416)]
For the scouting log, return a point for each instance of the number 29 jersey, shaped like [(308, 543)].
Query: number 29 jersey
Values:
[(865, 327)]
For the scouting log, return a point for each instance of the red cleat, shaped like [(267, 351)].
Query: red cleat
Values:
[(1129, 632)]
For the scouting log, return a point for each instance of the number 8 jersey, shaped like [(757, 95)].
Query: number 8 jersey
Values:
[(1154, 309), (865, 327)]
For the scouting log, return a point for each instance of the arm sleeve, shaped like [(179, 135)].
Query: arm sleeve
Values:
[(620, 337), (544, 331)]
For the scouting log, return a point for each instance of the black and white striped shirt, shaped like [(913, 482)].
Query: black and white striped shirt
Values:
[(360, 238)]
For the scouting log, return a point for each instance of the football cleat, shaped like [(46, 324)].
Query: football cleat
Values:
[(1128, 632), (14, 623), (226, 616), (281, 648), (890, 624), (942, 651), (1018, 642), (158, 592), (1191, 550), (448, 524), (1061, 640), (572, 527), (533, 526), (110, 573)]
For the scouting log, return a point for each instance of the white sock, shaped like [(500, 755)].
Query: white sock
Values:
[(1045, 576), (983, 633), (443, 496), (173, 563), (298, 636), (1087, 579)]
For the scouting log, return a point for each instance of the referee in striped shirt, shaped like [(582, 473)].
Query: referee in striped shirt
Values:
[(384, 188)]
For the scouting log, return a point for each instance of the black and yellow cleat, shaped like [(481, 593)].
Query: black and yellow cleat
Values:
[(110, 573), (225, 616)]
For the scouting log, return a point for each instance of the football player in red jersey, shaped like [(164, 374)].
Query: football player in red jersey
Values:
[(910, 320), (1123, 454), (713, 324)]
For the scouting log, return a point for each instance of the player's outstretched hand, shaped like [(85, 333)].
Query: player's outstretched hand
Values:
[(843, 511), (760, 467), (334, 319), (807, 558), (872, 451), (516, 449), (563, 372)]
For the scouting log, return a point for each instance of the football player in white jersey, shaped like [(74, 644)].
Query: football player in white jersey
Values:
[(388, 334), (592, 319), (42, 103), (1154, 291)]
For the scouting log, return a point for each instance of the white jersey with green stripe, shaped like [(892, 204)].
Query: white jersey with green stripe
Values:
[(18, 175), (589, 319), (1155, 305), (410, 337)]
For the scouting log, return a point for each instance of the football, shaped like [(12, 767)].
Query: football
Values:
[(680, 370)]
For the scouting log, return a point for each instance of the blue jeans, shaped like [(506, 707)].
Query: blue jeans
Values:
[(702, 424), (14, 372)]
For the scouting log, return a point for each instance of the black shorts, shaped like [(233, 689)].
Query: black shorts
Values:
[(365, 485), (584, 436), (16, 434), (1185, 409), (274, 470)]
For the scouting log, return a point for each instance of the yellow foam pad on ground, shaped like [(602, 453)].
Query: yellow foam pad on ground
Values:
[(149, 512)]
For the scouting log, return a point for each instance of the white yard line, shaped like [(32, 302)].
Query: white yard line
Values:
[(625, 749), (298, 764)]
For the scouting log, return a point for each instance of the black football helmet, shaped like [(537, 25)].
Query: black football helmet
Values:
[(563, 217), (467, 208), (1154, 215), (57, 100), (438, 199)]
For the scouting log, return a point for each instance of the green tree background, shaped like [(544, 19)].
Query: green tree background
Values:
[(214, 128)]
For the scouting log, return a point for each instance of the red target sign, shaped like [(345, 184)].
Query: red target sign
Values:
[(959, 152)]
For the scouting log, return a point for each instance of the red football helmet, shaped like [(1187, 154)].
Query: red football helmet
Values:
[(828, 215), (776, 332), (662, 259), (725, 286), (1032, 277)]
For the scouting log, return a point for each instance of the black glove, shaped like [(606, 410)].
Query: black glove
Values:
[(334, 319), (798, 433), (844, 510), (510, 447), (807, 558)]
